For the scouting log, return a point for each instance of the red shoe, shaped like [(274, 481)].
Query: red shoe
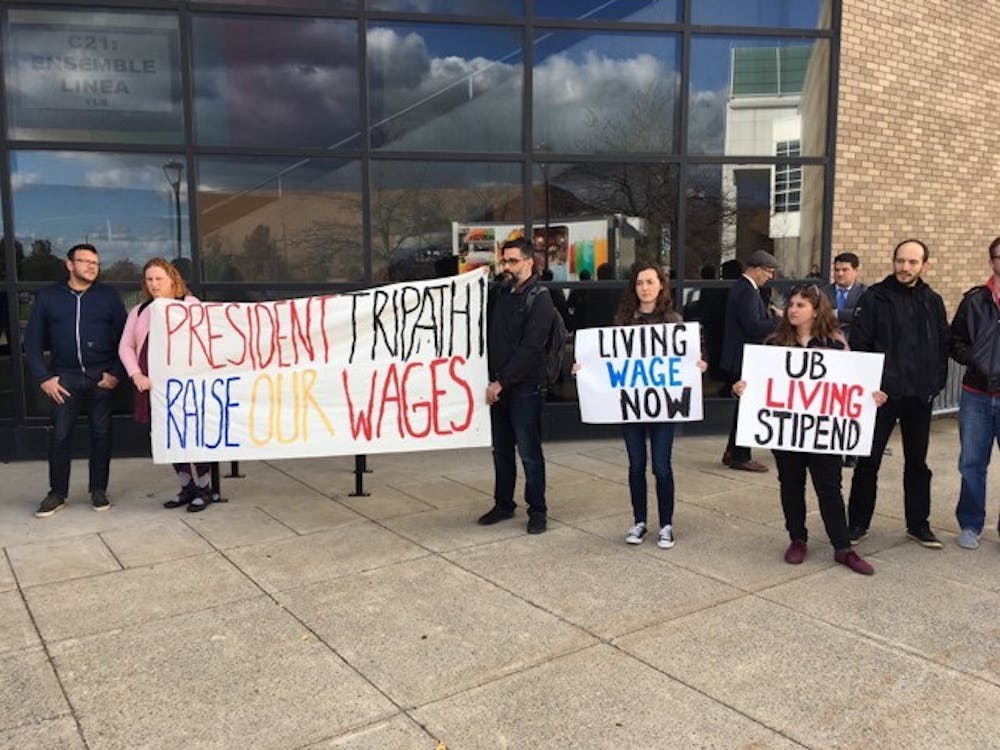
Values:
[(853, 560), (796, 552), (750, 465)]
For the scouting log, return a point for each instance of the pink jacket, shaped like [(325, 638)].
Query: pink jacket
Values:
[(134, 336)]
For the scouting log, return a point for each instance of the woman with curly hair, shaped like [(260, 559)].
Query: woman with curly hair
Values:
[(810, 322), (160, 279)]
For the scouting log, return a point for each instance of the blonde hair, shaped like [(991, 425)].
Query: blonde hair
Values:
[(180, 288)]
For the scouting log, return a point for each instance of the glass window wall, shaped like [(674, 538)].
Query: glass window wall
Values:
[(432, 219), (132, 207), (798, 14), (276, 82), (495, 8), (305, 182), (602, 218), (275, 220), (750, 93), (597, 93), (445, 88), (734, 209), (633, 11)]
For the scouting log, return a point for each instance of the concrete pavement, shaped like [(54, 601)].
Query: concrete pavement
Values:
[(295, 616)]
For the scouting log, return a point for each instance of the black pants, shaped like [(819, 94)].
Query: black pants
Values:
[(83, 393), (825, 472), (736, 453), (914, 416)]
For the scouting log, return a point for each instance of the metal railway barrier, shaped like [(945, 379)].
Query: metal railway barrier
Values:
[(947, 400)]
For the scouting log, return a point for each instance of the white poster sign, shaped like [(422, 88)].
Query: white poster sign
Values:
[(808, 400), (395, 368), (643, 373)]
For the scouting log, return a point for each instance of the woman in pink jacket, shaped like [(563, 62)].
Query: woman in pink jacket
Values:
[(160, 279)]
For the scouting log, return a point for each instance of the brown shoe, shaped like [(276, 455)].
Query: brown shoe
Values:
[(727, 458), (750, 465)]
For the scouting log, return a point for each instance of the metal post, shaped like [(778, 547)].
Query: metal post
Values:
[(360, 469), (173, 170)]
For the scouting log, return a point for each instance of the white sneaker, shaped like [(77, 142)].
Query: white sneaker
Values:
[(666, 540), (636, 533)]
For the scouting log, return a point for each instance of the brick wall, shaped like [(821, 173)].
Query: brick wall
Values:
[(918, 136)]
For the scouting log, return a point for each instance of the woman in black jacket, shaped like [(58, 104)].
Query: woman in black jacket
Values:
[(809, 321)]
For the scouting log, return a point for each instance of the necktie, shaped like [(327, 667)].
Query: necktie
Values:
[(841, 299)]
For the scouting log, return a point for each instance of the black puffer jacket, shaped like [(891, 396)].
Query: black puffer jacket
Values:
[(908, 324), (975, 340)]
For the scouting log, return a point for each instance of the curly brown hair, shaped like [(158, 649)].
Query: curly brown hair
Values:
[(180, 288), (825, 325)]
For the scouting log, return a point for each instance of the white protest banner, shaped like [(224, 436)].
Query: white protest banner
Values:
[(395, 368), (645, 373), (808, 400)]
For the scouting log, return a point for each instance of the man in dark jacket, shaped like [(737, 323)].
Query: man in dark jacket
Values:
[(975, 343), (903, 318), (80, 321), (747, 322), (520, 317)]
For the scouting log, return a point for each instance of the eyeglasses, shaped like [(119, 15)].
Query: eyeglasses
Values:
[(509, 261), (90, 263)]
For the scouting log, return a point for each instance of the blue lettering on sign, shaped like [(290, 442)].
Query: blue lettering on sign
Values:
[(192, 404), (639, 373)]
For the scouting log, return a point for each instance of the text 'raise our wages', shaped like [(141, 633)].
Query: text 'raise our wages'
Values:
[(395, 362)]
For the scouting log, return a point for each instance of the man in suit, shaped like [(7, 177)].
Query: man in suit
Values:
[(845, 291), (748, 321)]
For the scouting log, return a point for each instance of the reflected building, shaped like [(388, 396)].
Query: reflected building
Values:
[(774, 207)]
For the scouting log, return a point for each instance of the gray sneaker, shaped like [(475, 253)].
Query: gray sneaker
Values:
[(666, 540), (636, 533), (968, 539)]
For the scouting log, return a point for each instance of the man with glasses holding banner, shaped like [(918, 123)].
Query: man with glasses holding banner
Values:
[(80, 322), (520, 314)]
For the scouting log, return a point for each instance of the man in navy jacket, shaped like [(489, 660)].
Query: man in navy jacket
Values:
[(80, 322), (747, 322)]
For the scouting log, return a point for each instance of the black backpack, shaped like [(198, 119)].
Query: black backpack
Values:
[(555, 342)]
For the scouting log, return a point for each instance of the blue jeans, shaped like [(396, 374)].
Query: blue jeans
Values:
[(978, 429), (83, 391), (517, 423), (661, 443)]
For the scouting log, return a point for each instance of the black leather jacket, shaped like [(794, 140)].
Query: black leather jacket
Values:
[(975, 340)]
